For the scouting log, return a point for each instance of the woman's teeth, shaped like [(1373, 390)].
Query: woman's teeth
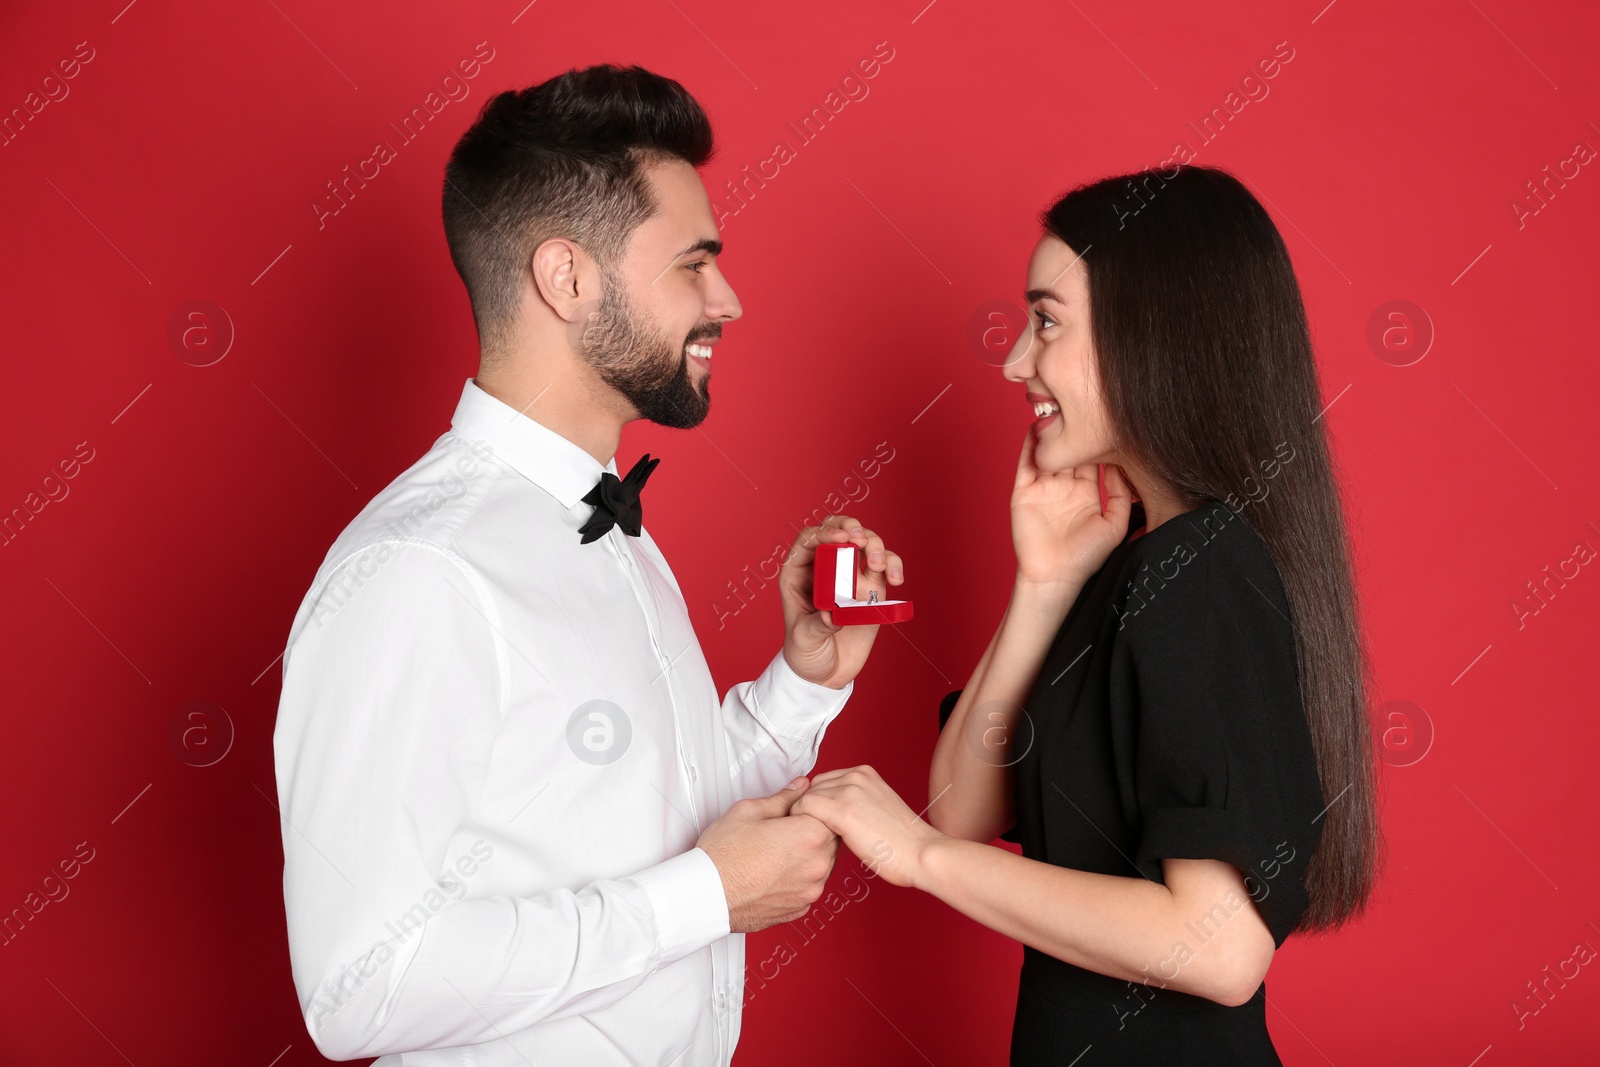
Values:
[(703, 351), (1045, 407)]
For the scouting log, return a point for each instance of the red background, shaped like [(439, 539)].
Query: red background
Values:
[(184, 165)]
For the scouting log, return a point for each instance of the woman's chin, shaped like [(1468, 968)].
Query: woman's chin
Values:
[(1050, 459)]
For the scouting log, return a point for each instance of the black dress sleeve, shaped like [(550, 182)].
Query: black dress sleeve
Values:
[(1214, 758), (946, 707)]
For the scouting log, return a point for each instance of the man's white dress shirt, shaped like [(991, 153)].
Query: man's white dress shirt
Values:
[(496, 748)]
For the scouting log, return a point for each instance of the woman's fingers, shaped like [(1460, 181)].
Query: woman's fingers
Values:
[(820, 807), (828, 777), (1026, 470), (1119, 492)]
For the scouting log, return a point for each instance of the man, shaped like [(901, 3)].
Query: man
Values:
[(519, 825)]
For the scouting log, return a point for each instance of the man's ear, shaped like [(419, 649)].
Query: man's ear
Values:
[(564, 277)]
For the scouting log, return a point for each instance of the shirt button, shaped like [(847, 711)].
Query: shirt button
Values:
[(694, 775)]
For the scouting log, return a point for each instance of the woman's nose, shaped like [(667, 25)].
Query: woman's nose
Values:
[(1019, 359)]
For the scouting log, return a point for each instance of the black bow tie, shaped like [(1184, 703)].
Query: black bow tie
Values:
[(616, 501)]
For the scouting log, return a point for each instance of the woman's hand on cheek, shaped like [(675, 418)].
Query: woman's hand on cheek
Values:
[(874, 823), (1060, 532)]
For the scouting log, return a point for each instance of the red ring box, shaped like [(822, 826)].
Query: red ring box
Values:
[(833, 588)]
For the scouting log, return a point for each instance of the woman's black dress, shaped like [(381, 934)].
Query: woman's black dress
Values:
[(1166, 723)]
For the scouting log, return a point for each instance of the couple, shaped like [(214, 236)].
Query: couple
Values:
[(520, 826)]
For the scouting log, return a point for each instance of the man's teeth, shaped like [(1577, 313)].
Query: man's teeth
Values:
[(1045, 407), (703, 351)]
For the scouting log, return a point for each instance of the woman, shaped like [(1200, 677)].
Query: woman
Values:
[(1171, 717)]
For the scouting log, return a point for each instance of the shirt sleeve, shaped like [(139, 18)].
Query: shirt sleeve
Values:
[(392, 699), (775, 726), (1207, 723)]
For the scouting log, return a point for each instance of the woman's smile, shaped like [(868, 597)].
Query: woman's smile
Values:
[(1045, 410)]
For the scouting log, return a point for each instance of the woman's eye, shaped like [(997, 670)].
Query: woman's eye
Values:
[(1045, 322)]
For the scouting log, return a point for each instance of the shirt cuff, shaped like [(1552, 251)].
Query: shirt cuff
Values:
[(688, 901), (792, 706)]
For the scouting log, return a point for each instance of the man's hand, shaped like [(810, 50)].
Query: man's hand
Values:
[(773, 864), (817, 649)]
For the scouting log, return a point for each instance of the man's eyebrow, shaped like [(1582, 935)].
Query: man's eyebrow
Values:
[(1042, 294), (705, 244)]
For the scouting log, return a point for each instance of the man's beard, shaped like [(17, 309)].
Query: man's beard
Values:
[(646, 366)]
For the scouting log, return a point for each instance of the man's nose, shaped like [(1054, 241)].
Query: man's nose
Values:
[(723, 303)]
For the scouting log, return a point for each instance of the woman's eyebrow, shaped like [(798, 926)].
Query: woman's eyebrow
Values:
[(1042, 294)]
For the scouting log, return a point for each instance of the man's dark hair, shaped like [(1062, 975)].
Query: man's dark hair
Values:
[(564, 158)]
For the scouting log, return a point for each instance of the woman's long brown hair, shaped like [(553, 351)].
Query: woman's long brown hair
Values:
[(1206, 363)]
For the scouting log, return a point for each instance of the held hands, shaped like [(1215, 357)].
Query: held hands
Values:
[(875, 824), (773, 864), (1059, 533), (817, 649)]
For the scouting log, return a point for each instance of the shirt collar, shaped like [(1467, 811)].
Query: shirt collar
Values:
[(558, 466)]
